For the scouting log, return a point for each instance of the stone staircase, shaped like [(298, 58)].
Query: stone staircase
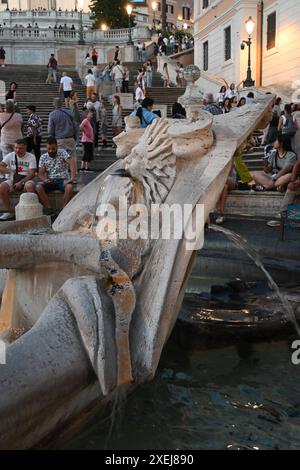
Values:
[(32, 89)]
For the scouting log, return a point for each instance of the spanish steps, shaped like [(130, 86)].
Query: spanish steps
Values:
[(32, 89)]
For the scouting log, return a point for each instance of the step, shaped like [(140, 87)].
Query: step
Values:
[(262, 204)]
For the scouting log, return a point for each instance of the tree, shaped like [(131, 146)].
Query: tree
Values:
[(111, 12)]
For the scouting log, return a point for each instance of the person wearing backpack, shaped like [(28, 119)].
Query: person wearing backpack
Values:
[(287, 126)]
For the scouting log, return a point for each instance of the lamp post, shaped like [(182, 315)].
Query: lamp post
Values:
[(250, 28), (81, 37), (129, 11), (154, 6)]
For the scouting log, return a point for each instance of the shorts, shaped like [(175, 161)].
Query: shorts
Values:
[(88, 154), (10, 183), (89, 91), (56, 185), (118, 81), (67, 93)]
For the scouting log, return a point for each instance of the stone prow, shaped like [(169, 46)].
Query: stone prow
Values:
[(73, 343)]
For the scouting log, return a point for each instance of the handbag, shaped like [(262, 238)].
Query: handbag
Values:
[(17, 178), (5, 122)]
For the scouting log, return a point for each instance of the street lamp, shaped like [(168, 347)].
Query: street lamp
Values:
[(129, 11), (185, 26), (154, 6), (103, 27), (249, 28)]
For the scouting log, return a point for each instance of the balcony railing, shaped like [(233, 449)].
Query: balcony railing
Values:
[(118, 36)]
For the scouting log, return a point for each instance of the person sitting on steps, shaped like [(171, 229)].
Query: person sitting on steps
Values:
[(54, 169), (278, 168), (21, 167)]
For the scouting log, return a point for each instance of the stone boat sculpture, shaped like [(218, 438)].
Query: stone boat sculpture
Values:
[(96, 313)]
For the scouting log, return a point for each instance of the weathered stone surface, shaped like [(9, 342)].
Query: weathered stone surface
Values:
[(29, 207), (112, 326)]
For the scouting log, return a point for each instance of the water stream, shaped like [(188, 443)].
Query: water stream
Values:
[(253, 254)]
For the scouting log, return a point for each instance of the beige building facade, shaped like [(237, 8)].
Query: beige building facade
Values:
[(179, 13), (219, 28)]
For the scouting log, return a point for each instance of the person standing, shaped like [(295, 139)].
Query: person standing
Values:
[(149, 74), (96, 105), (165, 74), (90, 83), (103, 124), (2, 57), (52, 69), (117, 73), (98, 79), (116, 117), (66, 84), (87, 140), (117, 54), (139, 95), (125, 82), (12, 92), (74, 108), (61, 126), (94, 57), (34, 132), (11, 124), (139, 49)]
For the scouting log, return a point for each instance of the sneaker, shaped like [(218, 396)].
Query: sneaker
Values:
[(220, 220), (259, 187), (273, 223), (6, 216)]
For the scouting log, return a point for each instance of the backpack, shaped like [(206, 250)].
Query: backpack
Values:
[(289, 128)]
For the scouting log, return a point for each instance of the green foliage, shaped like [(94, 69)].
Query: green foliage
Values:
[(111, 12)]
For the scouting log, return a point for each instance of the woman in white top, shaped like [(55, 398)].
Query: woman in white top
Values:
[(141, 79), (116, 117), (149, 74), (165, 75), (232, 91), (221, 95), (90, 83)]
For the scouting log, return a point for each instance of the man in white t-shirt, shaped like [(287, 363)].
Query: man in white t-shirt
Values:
[(118, 74), (66, 84), (139, 96), (20, 165)]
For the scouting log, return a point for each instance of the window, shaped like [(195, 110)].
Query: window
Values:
[(186, 13), (159, 7), (170, 9), (271, 31), (205, 55), (227, 32), (205, 4)]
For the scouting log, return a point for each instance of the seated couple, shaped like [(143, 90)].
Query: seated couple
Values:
[(19, 166)]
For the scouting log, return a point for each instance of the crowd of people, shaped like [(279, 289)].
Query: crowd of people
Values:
[(168, 45), (281, 141), (72, 124)]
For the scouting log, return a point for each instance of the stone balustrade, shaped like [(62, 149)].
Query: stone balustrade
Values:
[(118, 36)]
